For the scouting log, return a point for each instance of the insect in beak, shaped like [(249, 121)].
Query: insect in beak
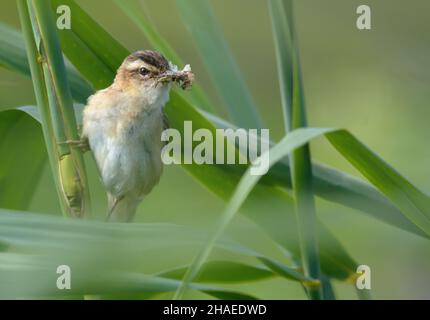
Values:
[(169, 76), (184, 77)]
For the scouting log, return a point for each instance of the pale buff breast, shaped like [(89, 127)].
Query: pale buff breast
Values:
[(125, 139)]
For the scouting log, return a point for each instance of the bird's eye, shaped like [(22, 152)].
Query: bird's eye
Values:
[(143, 71)]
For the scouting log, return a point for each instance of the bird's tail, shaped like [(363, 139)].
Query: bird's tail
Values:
[(121, 209)]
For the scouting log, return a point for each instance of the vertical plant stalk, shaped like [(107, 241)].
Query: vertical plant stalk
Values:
[(55, 105), (300, 160)]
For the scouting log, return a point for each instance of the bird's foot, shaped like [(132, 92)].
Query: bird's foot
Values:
[(80, 144)]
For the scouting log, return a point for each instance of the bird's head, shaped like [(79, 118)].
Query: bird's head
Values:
[(150, 74)]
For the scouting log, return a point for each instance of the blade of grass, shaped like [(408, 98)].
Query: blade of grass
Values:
[(287, 272), (13, 50), (412, 202), (19, 173), (37, 278), (134, 11), (55, 105), (223, 69), (232, 272), (293, 104), (222, 272)]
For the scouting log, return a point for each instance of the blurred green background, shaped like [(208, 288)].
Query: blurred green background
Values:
[(375, 83)]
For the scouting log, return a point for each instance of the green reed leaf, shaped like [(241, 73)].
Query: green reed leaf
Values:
[(218, 58), (407, 197)]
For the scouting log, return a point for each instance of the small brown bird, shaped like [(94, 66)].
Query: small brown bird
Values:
[(123, 125)]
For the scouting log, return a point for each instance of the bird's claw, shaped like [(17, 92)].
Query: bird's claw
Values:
[(80, 144)]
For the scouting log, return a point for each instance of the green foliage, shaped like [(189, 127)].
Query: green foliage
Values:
[(13, 57), (329, 183), (19, 129), (222, 67), (360, 156), (124, 250), (220, 179), (293, 104), (223, 272), (87, 36), (56, 106), (415, 205), (109, 258)]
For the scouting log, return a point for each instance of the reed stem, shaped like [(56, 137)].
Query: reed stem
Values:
[(300, 160), (55, 105)]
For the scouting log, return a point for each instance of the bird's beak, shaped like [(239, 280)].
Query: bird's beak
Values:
[(170, 76), (185, 77)]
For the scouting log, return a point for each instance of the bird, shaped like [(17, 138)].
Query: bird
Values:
[(123, 124)]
